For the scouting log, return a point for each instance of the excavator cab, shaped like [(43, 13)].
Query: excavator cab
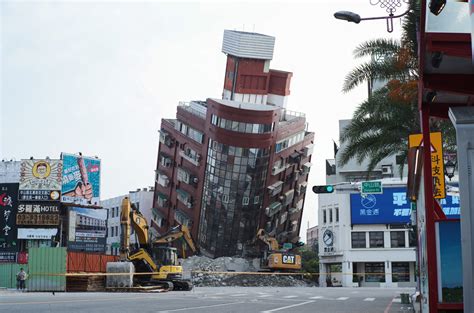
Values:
[(165, 255)]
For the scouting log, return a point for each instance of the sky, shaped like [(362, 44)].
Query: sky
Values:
[(98, 77)]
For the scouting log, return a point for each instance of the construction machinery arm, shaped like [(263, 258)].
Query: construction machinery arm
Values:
[(271, 242), (175, 233), (130, 217)]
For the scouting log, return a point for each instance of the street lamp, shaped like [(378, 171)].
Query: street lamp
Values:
[(449, 169), (389, 5)]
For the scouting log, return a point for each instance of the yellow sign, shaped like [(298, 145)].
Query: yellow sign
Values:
[(437, 164)]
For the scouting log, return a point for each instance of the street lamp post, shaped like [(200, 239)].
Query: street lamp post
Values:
[(389, 5)]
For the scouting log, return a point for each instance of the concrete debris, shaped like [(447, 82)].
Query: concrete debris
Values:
[(199, 269)]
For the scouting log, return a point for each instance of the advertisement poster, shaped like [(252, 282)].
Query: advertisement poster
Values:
[(448, 242), (40, 180), (45, 214), (87, 229), (81, 180), (8, 229)]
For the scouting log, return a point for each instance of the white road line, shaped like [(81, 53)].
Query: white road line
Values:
[(239, 295), (288, 297), (369, 299), (317, 297), (200, 307), (397, 300), (264, 296), (342, 298), (287, 307)]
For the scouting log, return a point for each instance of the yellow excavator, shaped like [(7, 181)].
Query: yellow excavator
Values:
[(154, 257), (275, 259)]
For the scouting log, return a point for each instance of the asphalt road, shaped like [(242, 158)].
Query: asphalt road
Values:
[(217, 299)]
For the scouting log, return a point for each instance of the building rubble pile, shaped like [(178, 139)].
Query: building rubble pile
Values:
[(199, 269)]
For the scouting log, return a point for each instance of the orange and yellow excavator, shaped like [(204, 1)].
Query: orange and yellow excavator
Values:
[(153, 257), (274, 258)]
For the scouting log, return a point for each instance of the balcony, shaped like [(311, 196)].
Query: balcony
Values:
[(191, 107), (184, 198), (193, 160)]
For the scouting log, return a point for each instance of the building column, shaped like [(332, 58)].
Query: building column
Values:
[(347, 273), (388, 274), (322, 274)]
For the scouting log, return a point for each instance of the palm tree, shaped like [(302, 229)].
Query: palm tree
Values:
[(381, 125)]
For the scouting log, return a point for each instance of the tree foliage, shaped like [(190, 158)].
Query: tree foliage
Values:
[(381, 125)]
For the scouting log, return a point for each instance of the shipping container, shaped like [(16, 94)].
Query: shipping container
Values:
[(8, 273), (47, 269)]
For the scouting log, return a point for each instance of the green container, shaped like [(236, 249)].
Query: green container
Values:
[(47, 267), (8, 273)]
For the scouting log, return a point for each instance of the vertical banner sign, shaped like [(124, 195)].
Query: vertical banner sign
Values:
[(87, 229), (40, 180), (8, 228), (437, 162), (81, 180)]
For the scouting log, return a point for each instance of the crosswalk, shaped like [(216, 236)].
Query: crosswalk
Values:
[(263, 296)]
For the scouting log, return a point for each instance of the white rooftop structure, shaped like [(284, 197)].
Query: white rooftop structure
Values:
[(248, 45)]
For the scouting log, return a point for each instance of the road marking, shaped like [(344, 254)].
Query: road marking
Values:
[(264, 296), (342, 298), (287, 307), (398, 300), (317, 297), (288, 297), (369, 299), (387, 309), (239, 295), (200, 307)]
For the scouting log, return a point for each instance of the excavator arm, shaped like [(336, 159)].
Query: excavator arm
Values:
[(271, 242), (175, 233), (130, 217)]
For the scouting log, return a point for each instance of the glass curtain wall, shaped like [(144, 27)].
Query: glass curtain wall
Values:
[(231, 203)]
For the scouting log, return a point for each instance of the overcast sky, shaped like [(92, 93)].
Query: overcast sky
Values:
[(98, 77)]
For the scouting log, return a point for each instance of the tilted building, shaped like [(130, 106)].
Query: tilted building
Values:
[(227, 167)]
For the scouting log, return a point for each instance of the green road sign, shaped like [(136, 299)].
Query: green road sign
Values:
[(371, 187)]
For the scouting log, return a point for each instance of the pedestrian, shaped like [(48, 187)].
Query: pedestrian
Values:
[(21, 279)]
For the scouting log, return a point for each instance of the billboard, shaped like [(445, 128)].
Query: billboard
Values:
[(87, 229), (40, 180), (448, 241), (40, 213), (80, 180), (392, 207), (8, 211)]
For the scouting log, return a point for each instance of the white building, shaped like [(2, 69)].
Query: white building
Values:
[(312, 235), (9, 171), (365, 240), (143, 200)]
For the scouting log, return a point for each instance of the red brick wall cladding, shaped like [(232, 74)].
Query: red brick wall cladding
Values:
[(88, 262), (181, 141), (280, 82)]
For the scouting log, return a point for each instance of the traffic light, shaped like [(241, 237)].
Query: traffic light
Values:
[(323, 189)]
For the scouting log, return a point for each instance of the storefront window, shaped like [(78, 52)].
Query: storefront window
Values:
[(400, 272), (375, 272)]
